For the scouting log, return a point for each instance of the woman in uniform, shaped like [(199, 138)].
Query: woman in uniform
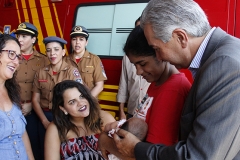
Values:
[(88, 64), (32, 61), (46, 78)]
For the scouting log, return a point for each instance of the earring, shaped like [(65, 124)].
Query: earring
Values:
[(66, 113)]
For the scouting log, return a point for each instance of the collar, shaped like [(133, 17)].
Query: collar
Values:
[(197, 58), (63, 67), (85, 55)]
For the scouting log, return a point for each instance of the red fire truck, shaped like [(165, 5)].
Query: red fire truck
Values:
[(108, 22)]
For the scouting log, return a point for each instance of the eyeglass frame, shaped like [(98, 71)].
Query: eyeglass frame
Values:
[(20, 57)]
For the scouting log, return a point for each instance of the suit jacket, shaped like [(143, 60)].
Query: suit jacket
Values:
[(210, 122)]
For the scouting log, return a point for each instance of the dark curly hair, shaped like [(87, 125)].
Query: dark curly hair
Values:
[(62, 121), (12, 85)]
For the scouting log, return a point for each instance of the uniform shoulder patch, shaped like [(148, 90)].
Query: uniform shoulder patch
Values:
[(103, 71), (41, 54)]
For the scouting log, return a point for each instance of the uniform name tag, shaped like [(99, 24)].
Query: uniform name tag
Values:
[(42, 80)]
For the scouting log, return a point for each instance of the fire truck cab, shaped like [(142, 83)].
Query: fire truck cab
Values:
[(108, 21)]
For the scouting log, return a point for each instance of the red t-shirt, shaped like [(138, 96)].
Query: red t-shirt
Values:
[(163, 117)]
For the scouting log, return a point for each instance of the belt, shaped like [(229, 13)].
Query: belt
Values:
[(46, 109), (26, 101)]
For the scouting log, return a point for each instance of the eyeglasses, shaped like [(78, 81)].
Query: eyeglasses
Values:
[(12, 54)]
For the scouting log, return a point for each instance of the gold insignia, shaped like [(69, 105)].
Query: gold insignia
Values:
[(78, 29), (22, 26)]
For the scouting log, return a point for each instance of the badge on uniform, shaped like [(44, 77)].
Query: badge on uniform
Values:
[(76, 73), (79, 80), (103, 71)]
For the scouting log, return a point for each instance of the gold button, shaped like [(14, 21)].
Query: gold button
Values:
[(15, 142), (17, 152)]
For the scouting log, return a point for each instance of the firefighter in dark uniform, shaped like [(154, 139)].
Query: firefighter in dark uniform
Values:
[(88, 64), (32, 60), (46, 78)]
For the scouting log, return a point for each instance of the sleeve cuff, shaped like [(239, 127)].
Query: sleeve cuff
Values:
[(140, 150), (121, 99)]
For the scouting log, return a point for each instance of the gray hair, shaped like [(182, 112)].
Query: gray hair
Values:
[(167, 15)]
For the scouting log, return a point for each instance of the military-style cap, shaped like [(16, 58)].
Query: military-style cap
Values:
[(27, 28), (54, 39), (79, 31)]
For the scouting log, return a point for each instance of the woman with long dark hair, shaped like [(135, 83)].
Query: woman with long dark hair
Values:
[(77, 121), (14, 141)]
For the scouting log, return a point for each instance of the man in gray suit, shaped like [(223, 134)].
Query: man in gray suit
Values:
[(180, 33)]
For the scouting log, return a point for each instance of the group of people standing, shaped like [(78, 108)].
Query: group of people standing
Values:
[(181, 36), (37, 74), (182, 121)]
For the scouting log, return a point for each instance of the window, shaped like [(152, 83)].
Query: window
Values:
[(108, 26)]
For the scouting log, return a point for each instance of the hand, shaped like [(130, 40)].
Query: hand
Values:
[(26, 108), (108, 127), (125, 142)]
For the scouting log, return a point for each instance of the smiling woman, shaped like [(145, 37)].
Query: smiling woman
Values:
[(12, 122), (77, 121)]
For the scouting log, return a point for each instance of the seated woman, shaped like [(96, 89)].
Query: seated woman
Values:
[(162, 106), (77, 123)]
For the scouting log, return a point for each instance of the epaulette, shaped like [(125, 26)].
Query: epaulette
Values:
[(41, 54)]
